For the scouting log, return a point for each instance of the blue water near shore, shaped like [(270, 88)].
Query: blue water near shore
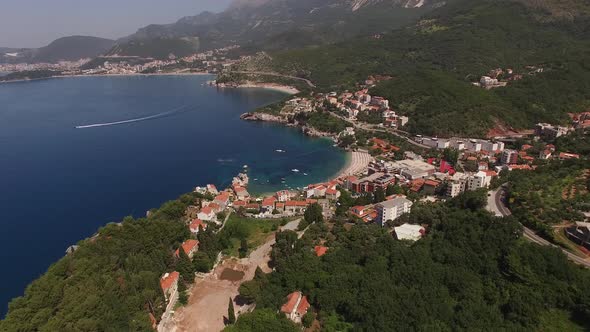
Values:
[(148, 140)]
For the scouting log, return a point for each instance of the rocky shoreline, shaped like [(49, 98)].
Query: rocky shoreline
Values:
[(265, 117)]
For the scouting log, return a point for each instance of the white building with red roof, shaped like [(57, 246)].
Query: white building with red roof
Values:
[(197, 224), (169, 284), (207, 214), (296, 306), (189, 246)]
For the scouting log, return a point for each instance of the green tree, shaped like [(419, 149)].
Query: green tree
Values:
[(243, 251), (184, 265), (231, 315), (182, 296), (379, 195)]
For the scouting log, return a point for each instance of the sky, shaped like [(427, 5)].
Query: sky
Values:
[(35, 23)]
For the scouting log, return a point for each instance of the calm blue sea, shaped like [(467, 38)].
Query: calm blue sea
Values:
[(59, 183)]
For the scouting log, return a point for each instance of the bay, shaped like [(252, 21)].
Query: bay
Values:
[(140, 141)]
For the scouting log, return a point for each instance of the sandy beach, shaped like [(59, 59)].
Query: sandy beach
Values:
[(271, 86), (355, 163)]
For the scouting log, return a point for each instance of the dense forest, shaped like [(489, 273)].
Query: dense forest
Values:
[(472, 271), (111, 282), (435, 61), (552, 194)]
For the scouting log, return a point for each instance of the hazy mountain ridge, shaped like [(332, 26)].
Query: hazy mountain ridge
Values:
[(70, 48), (287, 23)]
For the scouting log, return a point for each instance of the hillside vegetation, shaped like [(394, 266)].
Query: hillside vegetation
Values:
[(435, 61), (470, 272)]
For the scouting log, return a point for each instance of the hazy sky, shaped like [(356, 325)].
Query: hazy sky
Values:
[(35, 23)]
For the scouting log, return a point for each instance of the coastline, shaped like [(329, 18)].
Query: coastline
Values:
[(108, 75), (355, 162), (270, 86)]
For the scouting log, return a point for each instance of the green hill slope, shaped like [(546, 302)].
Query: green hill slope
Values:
[(436, 60)]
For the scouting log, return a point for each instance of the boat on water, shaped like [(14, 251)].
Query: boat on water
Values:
[(295, 170), (245, 166), (305, 174), (280, 151)]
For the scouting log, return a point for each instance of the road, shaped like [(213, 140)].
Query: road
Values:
[(367, 127), (309, 83), (209, 296), (496, 206)]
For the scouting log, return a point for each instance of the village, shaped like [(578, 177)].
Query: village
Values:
[(387, 179)]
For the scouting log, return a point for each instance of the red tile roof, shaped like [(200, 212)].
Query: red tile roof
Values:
[(331, 192), (320, 250), (206, 210), (303, 306), (196, 223), (295, 203), (187, 246), (168, 280), (239, 203), (291, 302), (268, 201)]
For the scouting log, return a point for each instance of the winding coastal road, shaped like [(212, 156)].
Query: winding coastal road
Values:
[(373, 129), (496, 206)]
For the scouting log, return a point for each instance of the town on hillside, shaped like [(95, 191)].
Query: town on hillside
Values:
[(384, 187)]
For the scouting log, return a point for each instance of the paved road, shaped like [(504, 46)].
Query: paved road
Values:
[(496, 206), (309, 83), (367, 127)]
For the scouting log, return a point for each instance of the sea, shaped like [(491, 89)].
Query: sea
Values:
[(77, 153)]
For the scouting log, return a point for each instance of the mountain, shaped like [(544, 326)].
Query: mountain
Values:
[(67, 48), (280, 24), (436, 61)]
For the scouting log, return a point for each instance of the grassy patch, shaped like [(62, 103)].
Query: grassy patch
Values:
[(255, 231), (558, 320)]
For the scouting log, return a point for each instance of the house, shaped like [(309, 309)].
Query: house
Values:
[(197, 224), (320, 250), (480, 179), (579, 234), (545, 154), (207, 214), (212, 189), (509, 157), (241, 193), (392, 209), (280, 207), (283, 195), (296, 306), (566, 155), (222, 199), (239, 204), (332, 194), (316, 191), (430, 187), (189, 246), (169, 284), (295, 207), (409, 232), (268, 204), (253, 207)]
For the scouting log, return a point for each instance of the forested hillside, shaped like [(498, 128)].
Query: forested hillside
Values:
[(471, 271), (110, 283), (435, 61)]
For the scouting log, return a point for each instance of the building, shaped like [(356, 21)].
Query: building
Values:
[(197, 224), (283, 195), (392, 209), (189, 246), (207, 214), (550, 132), (169, 285), (295, 207), (222, 199), (413, 169), (509, 157), (409, 232), (481, 179), (320, 250), (579, 234), (268, 204), (296, 306)]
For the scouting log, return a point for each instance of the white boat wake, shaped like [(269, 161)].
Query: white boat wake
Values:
[(155, 116)]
